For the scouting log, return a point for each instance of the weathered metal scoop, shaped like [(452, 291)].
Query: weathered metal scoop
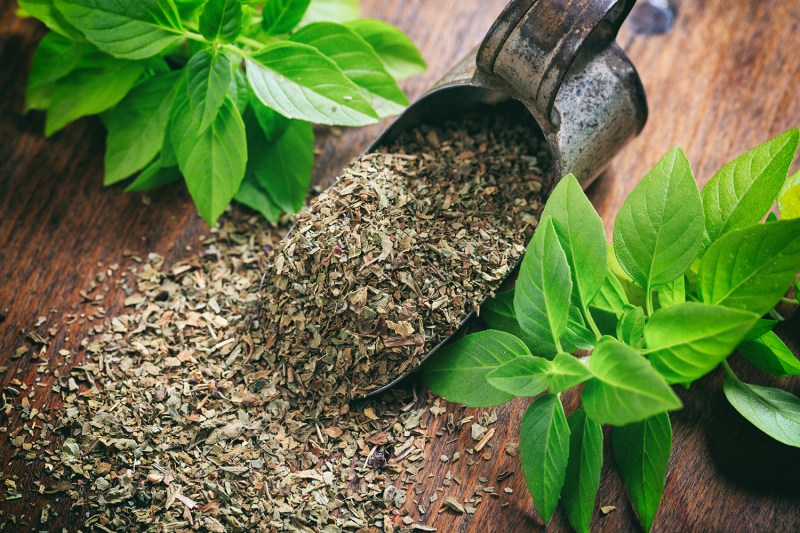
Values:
[(560, 60)]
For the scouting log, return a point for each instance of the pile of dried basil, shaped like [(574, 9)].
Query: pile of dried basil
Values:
[(409, 240)]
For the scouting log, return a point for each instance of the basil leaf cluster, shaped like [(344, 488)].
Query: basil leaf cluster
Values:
[(685, 282), (221, 92)]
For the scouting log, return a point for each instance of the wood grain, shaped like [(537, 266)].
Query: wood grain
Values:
[(723, 80)]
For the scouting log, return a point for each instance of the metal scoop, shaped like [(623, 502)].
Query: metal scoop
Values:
[(559, 59)]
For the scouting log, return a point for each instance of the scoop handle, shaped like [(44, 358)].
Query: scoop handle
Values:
[(534, 43)]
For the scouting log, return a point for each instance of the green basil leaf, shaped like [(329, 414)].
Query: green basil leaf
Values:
[(769, 353), (625, 387), (281, 16), (136, 126), (583, 470), (751, 268), (631, 326), (358, 61), (221, 20), (659, 228), (251, 21), (458, 371), (742, 192), (582, 237), (286, 164), (45, 11), (544, 451), (299, 82), (525, 375), (762, 327), (153, 176), (641, 452), (773, 411), (188, 9), (130, 30), (253, 194), (542, 293), (686, 341), (789, 198), (398, 54), (567, 372), (331, 11), (633, 291), (272, 123), (90, 91), (576, 336), (608, 304), (38, 97), (239, 90), (168, 157), (212, 161), (672, 293), (55, 57), (611, 297), (209, 74), (498, 313)]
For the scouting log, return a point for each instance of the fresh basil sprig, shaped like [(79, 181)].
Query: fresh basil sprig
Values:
[(223, 92), (685, 284)]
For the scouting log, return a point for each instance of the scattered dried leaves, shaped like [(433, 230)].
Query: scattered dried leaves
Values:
[(191, 411)]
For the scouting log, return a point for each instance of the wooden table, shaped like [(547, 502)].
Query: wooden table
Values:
[(722, 80)]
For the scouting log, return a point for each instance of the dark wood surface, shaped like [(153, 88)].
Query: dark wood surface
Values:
[(722, 80)]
